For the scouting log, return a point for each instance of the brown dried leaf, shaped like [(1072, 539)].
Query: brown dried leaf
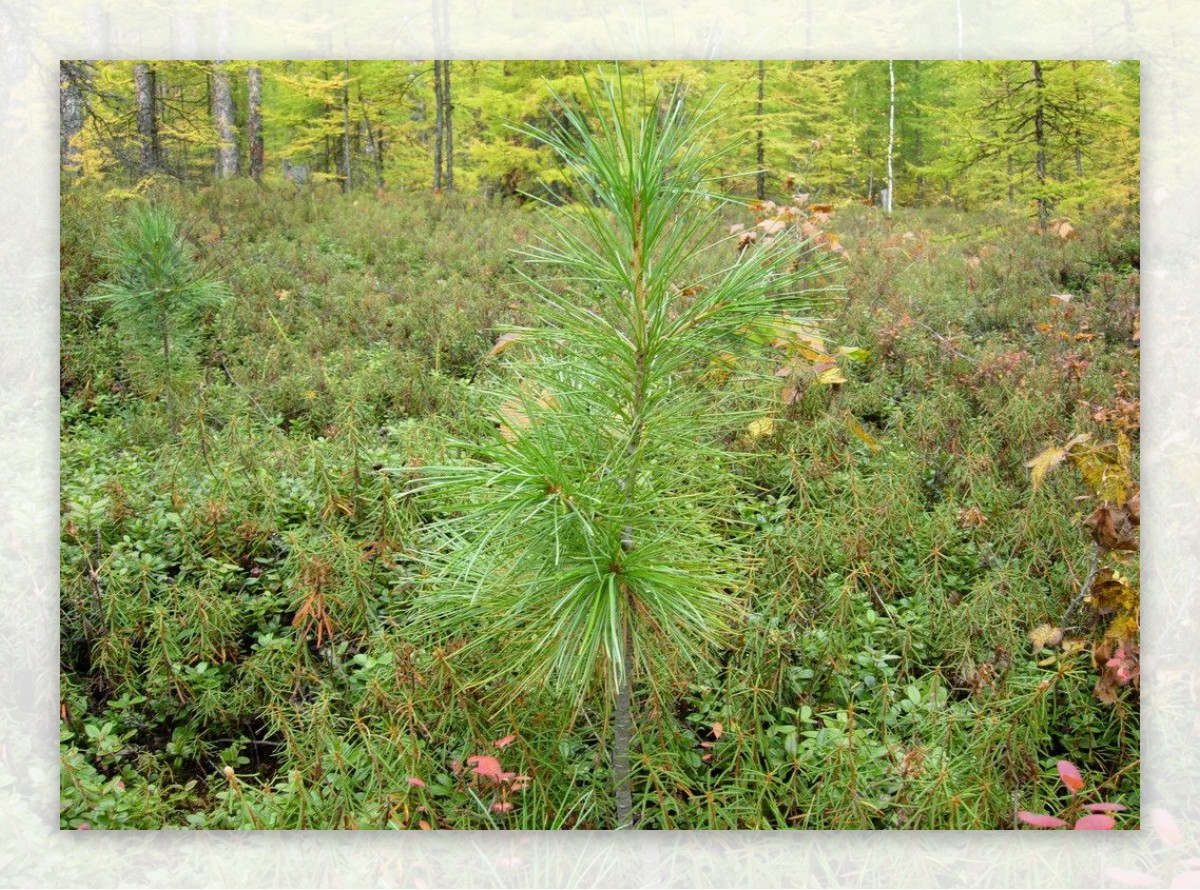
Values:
[(1112, 528), (746, 239), (1045, 635), (971, 517), (1110, 592), (1133, 507)]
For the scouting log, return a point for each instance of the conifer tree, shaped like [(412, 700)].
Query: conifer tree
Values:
[(583, 546)]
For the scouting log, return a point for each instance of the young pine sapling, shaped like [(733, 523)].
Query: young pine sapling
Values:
[(154, 291), (585, 544)]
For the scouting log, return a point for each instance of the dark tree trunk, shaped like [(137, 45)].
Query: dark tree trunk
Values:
[(150, 159), (918, 143), (448, 124), (346, 171), (226, 164), (437, 125), (71, 78), (1039, 137), (254, 120), (760, 188)]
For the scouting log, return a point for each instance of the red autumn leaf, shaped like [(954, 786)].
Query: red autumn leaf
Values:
[(1104, 807), (485, 765), (1096, 822), (415, 782), (424, 825), (1069, 773), (1037, 820), (501, 806), (507, 740)]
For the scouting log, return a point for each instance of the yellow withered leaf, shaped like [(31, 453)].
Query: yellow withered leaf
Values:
[(863, 434), (506, 342), (761, 428), (1051, 458), (812, 355), (1105, 469), (514, 414), (830, 376)]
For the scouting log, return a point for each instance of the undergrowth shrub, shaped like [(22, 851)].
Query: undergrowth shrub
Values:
[(238, 640)]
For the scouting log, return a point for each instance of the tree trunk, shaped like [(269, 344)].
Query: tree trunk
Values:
[(448, 124), (760, 190), (1039, 137), (918, 143), (166, 347), (891, 133), (254, 120), (437, 125), (623, 716), (347, 173), (70, 107), (222, 109), (622, 735), (147, 119)]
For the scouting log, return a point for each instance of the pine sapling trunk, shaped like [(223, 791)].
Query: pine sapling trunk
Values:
[(622, 735), (623, 718), (166, 346)]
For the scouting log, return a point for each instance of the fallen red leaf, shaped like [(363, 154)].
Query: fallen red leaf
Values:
[(1038, 820), (485, 765), (1069, 773)]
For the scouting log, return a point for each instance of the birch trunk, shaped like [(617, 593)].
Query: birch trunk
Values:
[(226, 164), (891, 188), (254, 120), (147, 119)]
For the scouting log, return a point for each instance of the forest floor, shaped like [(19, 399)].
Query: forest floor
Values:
[(235, 649)]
